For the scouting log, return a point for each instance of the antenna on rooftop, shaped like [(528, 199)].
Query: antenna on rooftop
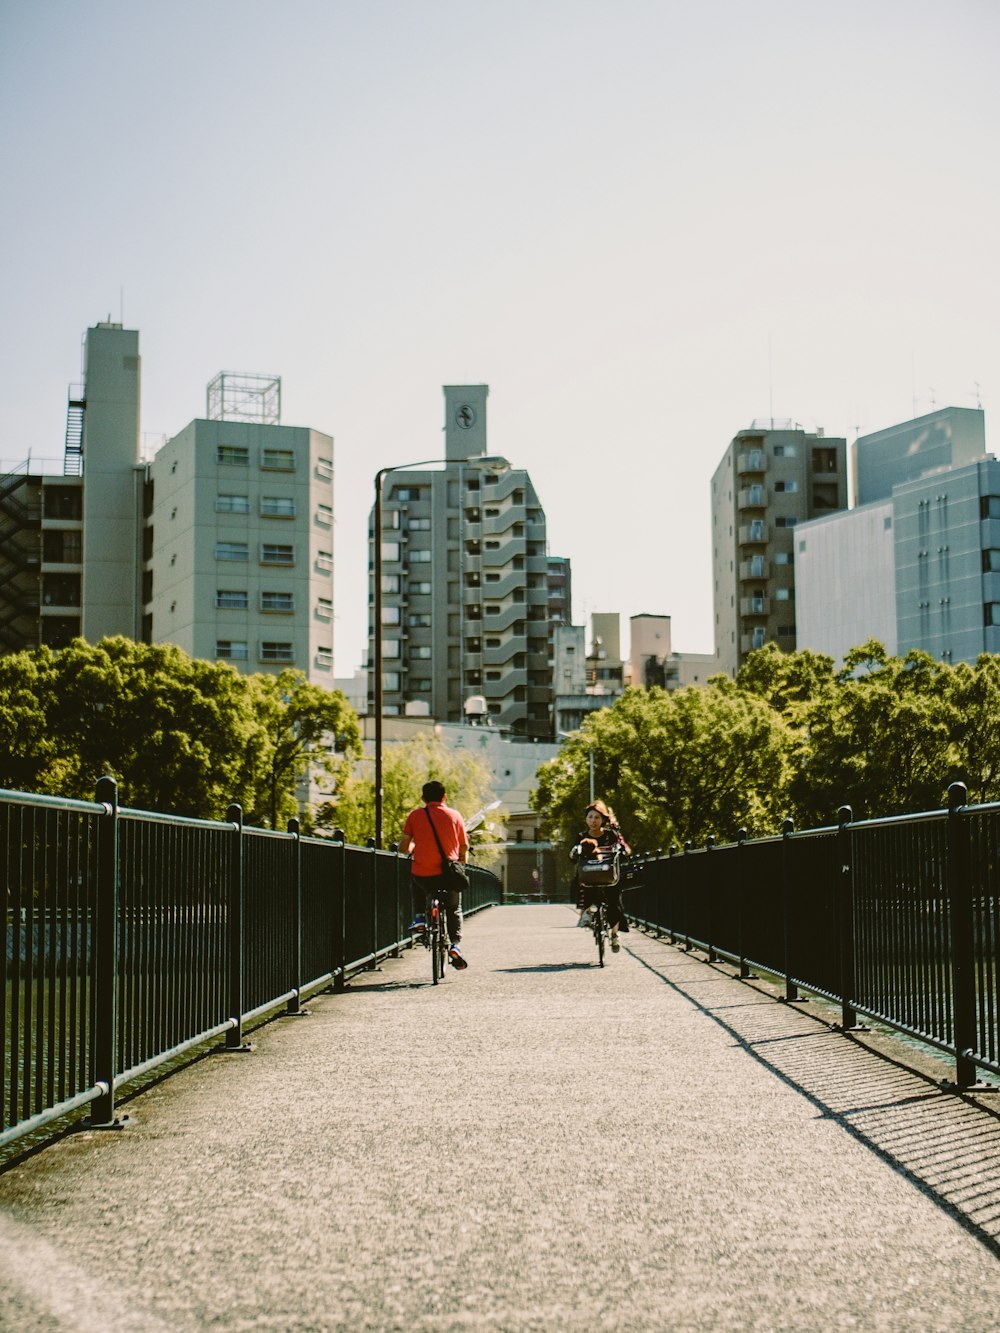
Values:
[(979, 397)]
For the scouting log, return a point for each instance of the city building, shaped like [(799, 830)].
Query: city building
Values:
[(845, 580), (464, 590), (221, 544), (772, 477), (947, 437), (652, 660), (916, 568)]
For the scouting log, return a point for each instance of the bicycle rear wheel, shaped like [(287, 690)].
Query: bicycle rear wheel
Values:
[(438, 940)]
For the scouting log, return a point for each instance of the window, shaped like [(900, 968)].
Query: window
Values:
[(272, 651), (390, 680), (390, 647), (422, 686), (418, 525), (989, 506), (991, 561), (785, 521), (407, 493), (784, 557), (278, 460), (324, 468), (230, 600), (421, 653), (390, 550), (420, 620), (232, 455), (419, 589), (276, 553), (391, 583), (784, 451), (277, 601), (786, 486), (324, 656), (782, 594), (232, 551), (324, 559), (277, 506), (992, 613), (391, 615), (231, 650), (420, 557), (324, 606), (232, 504), (786, 631), (324, 514)]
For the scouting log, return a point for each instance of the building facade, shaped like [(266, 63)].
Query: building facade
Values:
[(947, 437), (464, 591), (222, 544), (241, 549), (771, 477)]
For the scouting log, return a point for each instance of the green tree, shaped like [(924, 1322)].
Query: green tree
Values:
[(673, 766), (406, 766), (882, 741), (28, 749), (974, 696), (306, 727)]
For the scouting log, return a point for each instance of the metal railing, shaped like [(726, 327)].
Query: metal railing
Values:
[(132, 937), (896, 919)]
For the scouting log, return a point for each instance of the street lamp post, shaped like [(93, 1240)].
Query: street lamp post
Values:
[(482, 460)]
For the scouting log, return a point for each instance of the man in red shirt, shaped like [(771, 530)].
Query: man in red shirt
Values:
[(427, 876)]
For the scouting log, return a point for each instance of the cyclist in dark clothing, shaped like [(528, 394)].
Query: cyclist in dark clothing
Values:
[(602, 834)]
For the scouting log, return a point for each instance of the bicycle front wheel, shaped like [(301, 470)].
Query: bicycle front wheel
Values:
[(599, 935), (436, 935)]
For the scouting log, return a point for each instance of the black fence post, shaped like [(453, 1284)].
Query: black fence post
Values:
[(686, 932), (741, 842), (787, 829), (845, 919), (962, 950), (672, 879), (106, 956), (710, 876), (339, 960), (373, 965), (295, 1002), (234, 1036), (397, 929)]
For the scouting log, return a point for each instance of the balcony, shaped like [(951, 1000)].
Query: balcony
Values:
[(752, 497), (754, 534), (748, 642), (755, 568), (755, 460), (755, 606)]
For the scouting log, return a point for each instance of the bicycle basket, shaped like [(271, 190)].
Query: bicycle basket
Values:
[(600, 872)]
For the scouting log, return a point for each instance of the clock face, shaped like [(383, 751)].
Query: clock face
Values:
[(465, 416)]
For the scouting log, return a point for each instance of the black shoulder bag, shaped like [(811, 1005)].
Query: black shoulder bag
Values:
[(453, 871)]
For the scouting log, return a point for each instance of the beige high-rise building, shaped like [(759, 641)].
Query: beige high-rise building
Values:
[(222, 544), (771, 477), (464, 597)]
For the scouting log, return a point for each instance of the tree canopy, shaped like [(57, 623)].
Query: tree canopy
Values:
[(180, 735), (790, 736)]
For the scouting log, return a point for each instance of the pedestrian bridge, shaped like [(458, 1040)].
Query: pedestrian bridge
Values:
[(535, 1144)]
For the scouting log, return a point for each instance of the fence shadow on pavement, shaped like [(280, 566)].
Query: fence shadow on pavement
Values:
[(947, 1145)]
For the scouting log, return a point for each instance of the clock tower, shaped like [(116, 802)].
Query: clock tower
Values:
[(465, 420)]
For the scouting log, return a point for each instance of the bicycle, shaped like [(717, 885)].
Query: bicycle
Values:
[(600, 927), (435, 937)]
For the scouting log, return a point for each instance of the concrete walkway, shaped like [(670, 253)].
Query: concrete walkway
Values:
[(533, 1145)]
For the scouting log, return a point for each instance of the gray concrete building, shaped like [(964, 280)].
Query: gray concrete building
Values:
[(464, 595), (221, 544), (771, 477), (947, 437)]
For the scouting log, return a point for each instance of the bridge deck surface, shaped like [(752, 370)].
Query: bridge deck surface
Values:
[(533, 1145)]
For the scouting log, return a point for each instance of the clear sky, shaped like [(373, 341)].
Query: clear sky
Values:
[(643, 223)]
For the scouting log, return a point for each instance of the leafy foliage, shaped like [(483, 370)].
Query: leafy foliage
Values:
[(180, 735), (406, 766)]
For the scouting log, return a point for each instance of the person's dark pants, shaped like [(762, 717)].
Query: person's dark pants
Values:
[(612, 898), (426, 887)]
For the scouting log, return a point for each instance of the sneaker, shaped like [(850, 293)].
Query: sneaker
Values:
[(584, 921), (418, 925), (624, 927), (455, 958), (615, 944)]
